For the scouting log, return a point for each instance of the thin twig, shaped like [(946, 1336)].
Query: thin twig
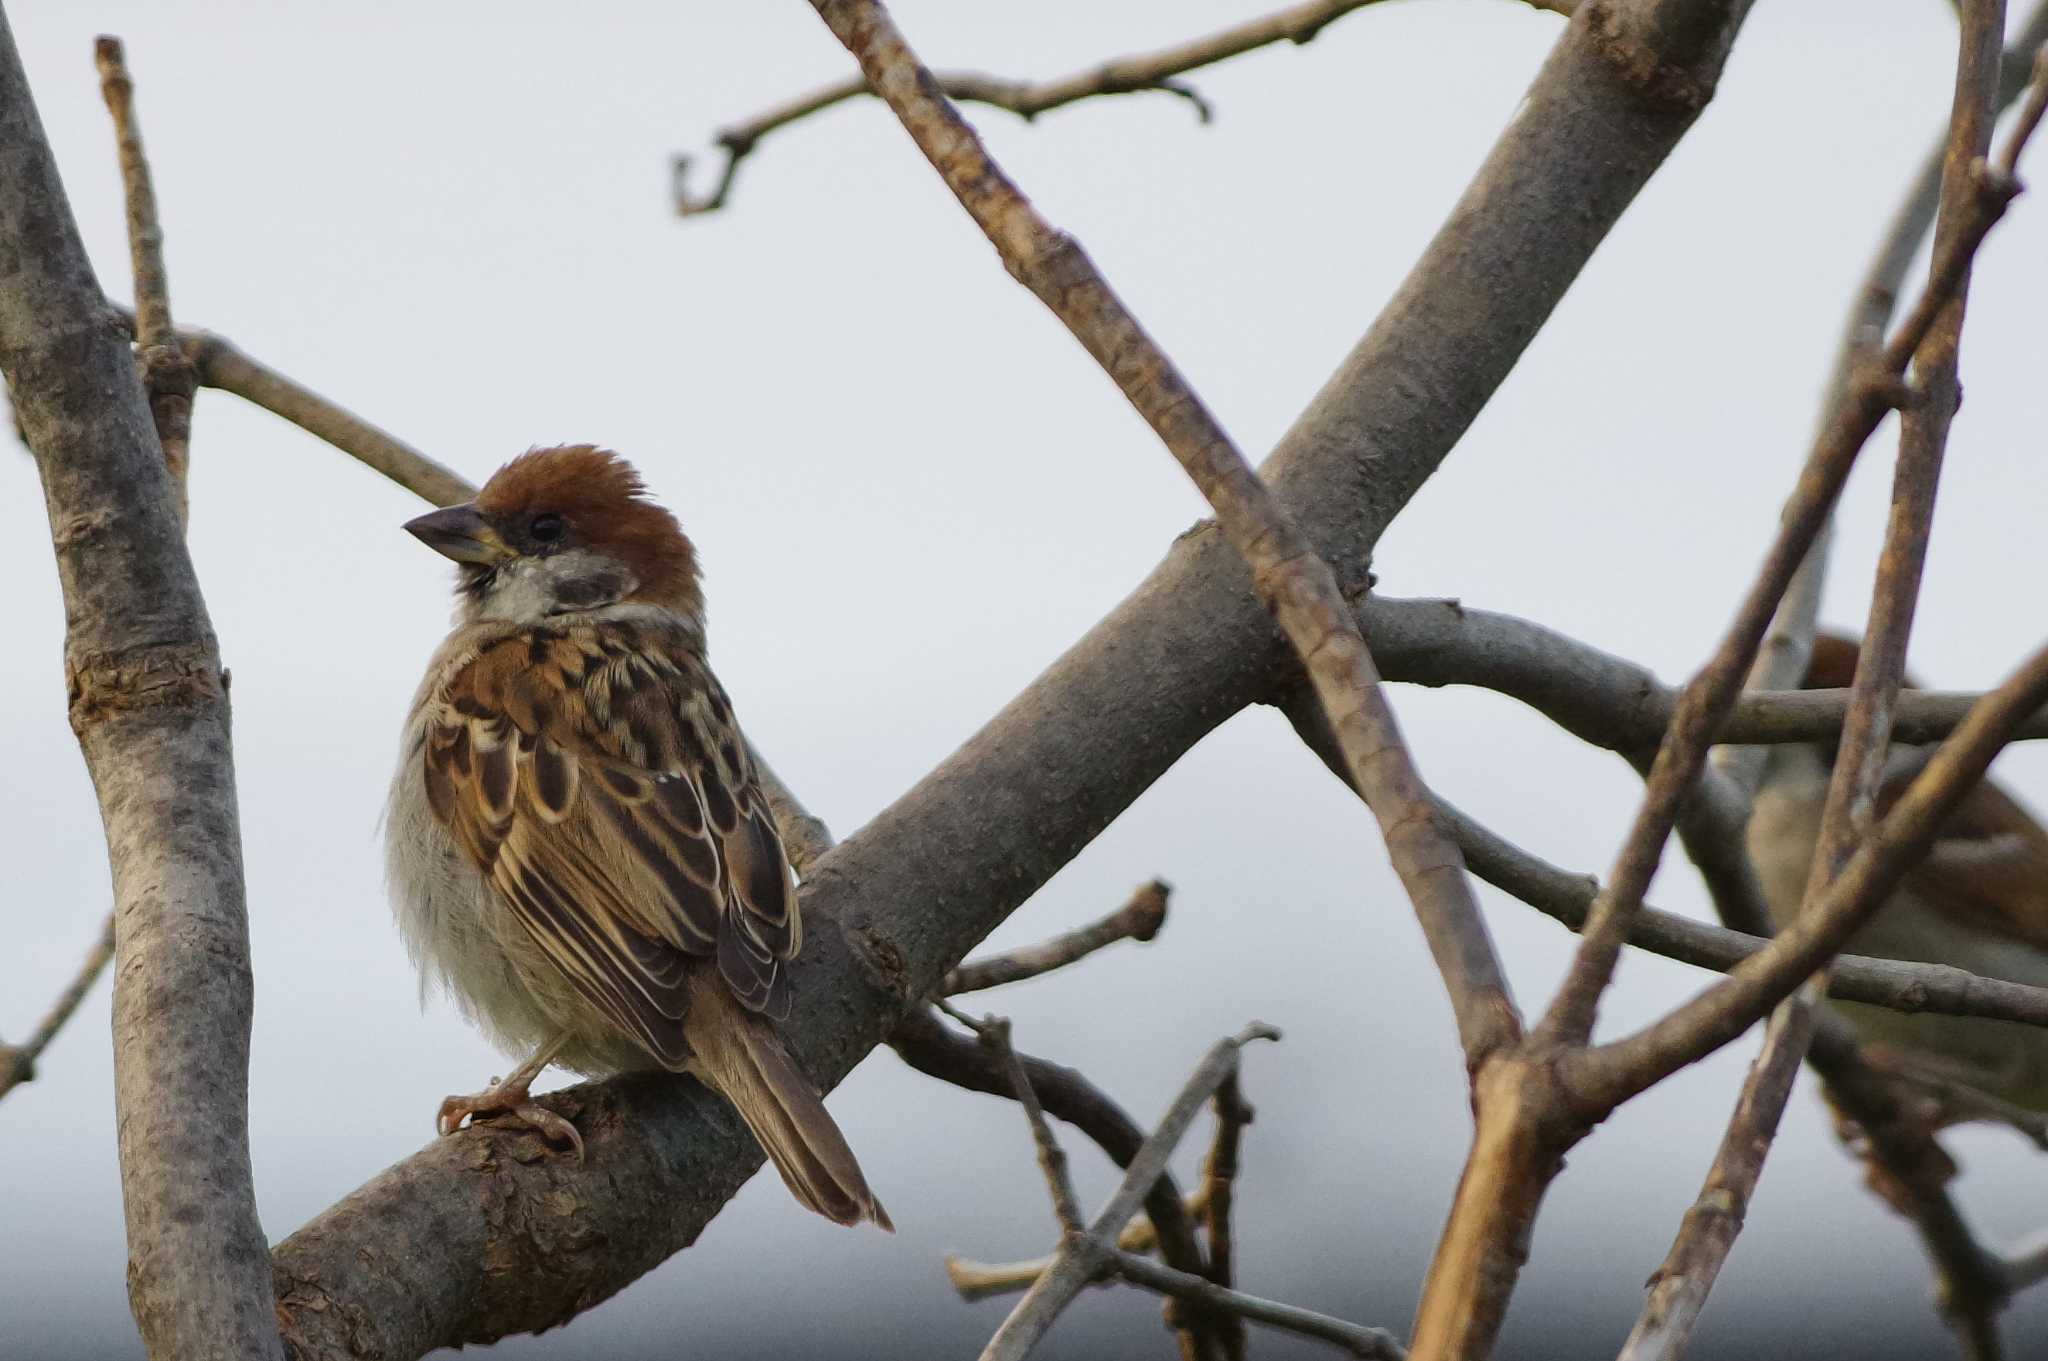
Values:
[(1909, 986), (1609, 1073), (1151, 71), (935, 1050), (18, 1062), (222, 365), (1295, 583), (1375, 1343), (1082, 1256), (982, 1280), (1052, 1159), (1679, 1288), (1218, 1194), (1139, 920), (1708, 1234), (1710, 695), (167, 372)]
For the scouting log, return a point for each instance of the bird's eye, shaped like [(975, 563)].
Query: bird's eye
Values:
[(546, 528)]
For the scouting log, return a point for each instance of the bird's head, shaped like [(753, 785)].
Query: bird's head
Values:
[(563, 531)]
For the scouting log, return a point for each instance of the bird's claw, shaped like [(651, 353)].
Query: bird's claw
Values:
[(499, 1101)]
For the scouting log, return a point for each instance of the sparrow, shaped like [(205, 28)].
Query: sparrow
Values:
[(1979, 901), (577, 846)]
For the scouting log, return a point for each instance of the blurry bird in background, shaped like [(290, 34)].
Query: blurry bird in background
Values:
[(1979, 901), (577, 845)]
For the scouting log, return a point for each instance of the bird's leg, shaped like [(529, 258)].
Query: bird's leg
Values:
[(508, 1096)]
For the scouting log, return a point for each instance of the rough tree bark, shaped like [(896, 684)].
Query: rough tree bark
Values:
[(148, 700)]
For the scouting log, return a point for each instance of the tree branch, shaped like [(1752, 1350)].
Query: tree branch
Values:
[(926, 1044), (1152, 71), (1376, 1344), (1296, 584), (18, 1062), (1609, 1073), (167, 375), (974, 1280), (902, 901), (149, 705), (1711, 694), (1139, 919), (1083, 1254), (1897, 984)]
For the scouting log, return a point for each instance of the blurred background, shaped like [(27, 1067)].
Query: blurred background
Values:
[(911, 491)]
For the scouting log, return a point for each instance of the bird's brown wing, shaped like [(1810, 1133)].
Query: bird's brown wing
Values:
[(595, 776), (1989, 866)]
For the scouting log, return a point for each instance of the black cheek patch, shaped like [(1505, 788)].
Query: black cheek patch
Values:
[(601, 586)]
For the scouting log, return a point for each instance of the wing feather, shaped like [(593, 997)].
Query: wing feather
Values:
[(595, 777)]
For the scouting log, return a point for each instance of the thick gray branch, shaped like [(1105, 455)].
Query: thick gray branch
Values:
[(904, 899), (149, 705)]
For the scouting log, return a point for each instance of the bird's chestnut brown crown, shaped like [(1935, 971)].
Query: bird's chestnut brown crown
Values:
[(565, 529), (1833, 665)]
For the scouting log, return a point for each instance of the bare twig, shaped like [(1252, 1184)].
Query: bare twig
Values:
[(1152, 71), (1708, 1233), (1603, 699), (1704, 706), (981, 1280), (1139, 919), (167, 373), (1900, 985), (1679, 1287), (18, 1061), (1611, 1072), (937, 1051), (1219, 1178), (1218, 1195), (1375, 1343), (1295, 583), (223, 366), (1052, 1159), (1083, 1255)]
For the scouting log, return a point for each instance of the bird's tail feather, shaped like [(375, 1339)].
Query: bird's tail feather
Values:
[(745, 1061)]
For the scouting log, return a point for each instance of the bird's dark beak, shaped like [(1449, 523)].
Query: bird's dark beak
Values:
[(460, 533)]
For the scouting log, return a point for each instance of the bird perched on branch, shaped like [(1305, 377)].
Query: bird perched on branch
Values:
[(577, 845), (1979, 901)]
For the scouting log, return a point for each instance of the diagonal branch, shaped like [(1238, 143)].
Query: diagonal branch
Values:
[(1296, 584), (1139, 919), (1083, 1254), (1896, 984), (1711, 694), (1704, 1240), (1612, 1072), (928, 1045), (18, 1061), (1152, 71), (434, 1253)]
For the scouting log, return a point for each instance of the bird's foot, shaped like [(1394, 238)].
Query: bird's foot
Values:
[(509, 1099)]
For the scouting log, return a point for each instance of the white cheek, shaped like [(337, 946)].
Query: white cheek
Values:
[(518, 595)]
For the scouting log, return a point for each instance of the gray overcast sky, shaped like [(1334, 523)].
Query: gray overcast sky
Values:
[(912, 490)]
